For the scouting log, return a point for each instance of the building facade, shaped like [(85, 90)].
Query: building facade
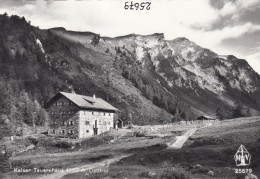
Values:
[(78, 116)]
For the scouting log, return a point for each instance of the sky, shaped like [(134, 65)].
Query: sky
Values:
[(224, 26)]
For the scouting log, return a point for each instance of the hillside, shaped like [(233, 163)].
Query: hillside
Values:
[(183, 71), (148, 78)]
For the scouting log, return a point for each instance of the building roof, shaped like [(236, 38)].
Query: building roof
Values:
[(88, 102), (205, 117)]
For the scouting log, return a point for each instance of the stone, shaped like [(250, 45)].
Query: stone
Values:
[(210, 173), (151, 174), (198, 166), (250, 176)]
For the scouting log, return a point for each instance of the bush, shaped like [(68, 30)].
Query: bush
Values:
[(21, 163), (139, 134), (173, 173), (199, 169), (63, 144), (148, 174), (96, 141), (4, 165), (34, 141)]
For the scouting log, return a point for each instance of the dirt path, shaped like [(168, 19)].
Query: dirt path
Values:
[(98, 165), (180, 140)]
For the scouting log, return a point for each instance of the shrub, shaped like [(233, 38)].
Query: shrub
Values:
[(4, 165), (147, 174), (199, 169), (63, 144), (34, 141), (21, 163), (173, 173), (139, 134), (96, 141)]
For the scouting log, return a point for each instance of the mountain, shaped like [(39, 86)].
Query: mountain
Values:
[(150, 79)]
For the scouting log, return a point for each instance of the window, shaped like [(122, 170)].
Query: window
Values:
[(104, 122), (53, 131), (104, 113), (108, 122), (109, 114), (71, 132), (63, 131), (87, 131), (70, 123), (87, 122), (92, 113)]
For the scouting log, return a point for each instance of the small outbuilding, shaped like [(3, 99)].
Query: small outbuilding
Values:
[(202, 118), (118, 124)]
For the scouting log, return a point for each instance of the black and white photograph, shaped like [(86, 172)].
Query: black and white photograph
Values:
[(129, 89)]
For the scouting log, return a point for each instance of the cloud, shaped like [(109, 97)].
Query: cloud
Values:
[(254, 61), (215, 37), (237, 8), (196, 13), (229, 8)]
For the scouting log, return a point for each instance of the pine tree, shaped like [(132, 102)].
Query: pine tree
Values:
[(95, 40), (248, 113), (219, 113), (238, 111), (15, 117), (177, 116)]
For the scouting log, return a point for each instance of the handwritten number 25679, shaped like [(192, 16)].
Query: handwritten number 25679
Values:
[(137, 6)]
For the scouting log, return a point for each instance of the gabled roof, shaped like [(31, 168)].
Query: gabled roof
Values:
[(205, 117), (88, 102)]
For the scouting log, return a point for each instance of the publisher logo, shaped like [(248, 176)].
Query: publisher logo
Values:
[(242, 156)]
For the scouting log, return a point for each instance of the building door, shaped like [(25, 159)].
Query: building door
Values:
[(95, 128)]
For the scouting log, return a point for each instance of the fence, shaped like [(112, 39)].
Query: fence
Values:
[(181, 123)]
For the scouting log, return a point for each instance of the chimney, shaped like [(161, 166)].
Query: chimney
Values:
[(94, 96), (72, 89)]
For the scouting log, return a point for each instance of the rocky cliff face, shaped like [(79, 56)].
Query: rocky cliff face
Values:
[(148, 78)]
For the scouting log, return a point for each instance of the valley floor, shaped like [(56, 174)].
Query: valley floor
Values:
[(198, 150)]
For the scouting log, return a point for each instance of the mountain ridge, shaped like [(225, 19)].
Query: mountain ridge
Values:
[(150, 79)]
